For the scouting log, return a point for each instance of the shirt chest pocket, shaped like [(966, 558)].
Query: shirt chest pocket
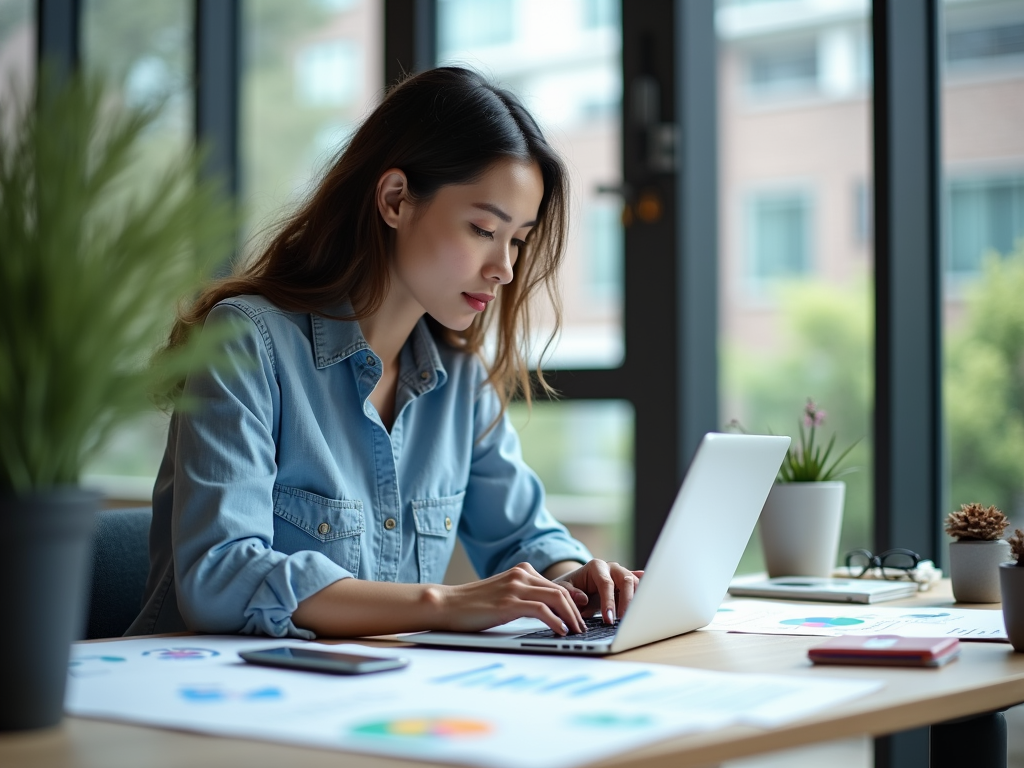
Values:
[(436, 520), (306, 521)]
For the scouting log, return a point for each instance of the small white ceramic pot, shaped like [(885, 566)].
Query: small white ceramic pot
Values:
[(800, 526), (974, 569), (1011, 582)]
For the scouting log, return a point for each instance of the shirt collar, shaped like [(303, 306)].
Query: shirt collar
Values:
[(335, 340)]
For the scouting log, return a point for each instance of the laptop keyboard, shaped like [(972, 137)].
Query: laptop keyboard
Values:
[(595, 629)]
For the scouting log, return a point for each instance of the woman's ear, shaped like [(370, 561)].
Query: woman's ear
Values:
[(392, 194)]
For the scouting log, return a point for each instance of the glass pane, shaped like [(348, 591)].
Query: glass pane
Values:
[(583, 453), (564, 60), (311, 70), (795, 202), (17, 47), (983, 254), (144, 53)]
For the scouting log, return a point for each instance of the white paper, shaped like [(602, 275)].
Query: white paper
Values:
[(770, 618), (485, 709)]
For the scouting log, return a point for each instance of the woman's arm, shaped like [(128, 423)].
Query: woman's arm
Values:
[(356, 608)]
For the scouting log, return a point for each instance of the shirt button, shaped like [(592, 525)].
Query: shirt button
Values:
[(447, 523), (371, 360), (424, 375), (390, 523), (324, 528)]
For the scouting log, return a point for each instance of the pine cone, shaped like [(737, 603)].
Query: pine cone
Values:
[(975, 523), (1017, 546)]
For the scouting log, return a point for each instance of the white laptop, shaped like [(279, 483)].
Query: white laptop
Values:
[(689, 570)]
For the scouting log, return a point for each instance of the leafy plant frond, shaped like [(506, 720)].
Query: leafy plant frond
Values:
[(97, 254), (806, 462)]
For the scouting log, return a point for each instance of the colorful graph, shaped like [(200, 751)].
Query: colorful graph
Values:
[(924, 615), (447, 728), (215, 693), (822, 621), (181, 654), (496, 677)]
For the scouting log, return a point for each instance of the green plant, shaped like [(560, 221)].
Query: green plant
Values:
[(95, 259), (807, 462), (975, 522)]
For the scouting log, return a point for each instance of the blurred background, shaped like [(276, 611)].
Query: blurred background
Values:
[(794, 199)]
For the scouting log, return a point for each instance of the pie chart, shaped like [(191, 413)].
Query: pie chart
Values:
[(425, 728)]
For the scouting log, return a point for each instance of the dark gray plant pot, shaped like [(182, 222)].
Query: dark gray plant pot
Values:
[(47, 543), (1011, 583)]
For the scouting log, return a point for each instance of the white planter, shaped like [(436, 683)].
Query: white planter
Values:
[(974, 569), (800, 526)]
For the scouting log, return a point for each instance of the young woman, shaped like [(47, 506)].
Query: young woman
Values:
[(318, 483)]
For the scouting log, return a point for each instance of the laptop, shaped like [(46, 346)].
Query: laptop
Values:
[(688, 572)]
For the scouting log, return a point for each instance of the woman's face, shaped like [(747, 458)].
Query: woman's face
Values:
[(453, 252)]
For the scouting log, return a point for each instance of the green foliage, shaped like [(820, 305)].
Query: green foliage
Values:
[(91, 272), (806, 462), (984, 388)]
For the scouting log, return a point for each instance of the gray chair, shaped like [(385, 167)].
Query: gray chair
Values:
[(120, 564)]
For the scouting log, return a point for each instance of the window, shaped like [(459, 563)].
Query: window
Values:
[(783, 71), (17, 46), (311, 70), (564, 61), (474, 23), (779, 233), (985, 215), (604, 243), (983, 156), (795, 249), (863, 223), (329, 74), (143, 52), (985, 43)]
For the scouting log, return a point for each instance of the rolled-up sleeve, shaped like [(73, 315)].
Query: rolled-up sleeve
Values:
[(505, 521), (228, 578)]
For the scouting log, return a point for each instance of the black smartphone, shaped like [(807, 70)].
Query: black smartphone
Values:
[(322, 661)]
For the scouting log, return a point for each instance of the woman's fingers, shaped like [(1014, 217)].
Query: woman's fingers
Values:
[(626, 583), (557, 597)]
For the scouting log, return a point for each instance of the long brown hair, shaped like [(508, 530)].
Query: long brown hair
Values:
[(444, 126)]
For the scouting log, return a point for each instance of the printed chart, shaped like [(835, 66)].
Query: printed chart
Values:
[(492, 710), (768, 618)]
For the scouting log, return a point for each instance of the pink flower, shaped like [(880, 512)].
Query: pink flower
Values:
[(813, 416)]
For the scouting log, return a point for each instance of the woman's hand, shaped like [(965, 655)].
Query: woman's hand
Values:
[(598, 585), (518, 592)]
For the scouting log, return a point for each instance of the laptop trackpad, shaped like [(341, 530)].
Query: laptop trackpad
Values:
[(517, 627)]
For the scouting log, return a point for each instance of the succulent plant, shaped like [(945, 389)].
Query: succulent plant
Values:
[(1017, 546), (974, 522)]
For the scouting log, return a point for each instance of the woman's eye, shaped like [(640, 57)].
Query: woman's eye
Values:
[(482, 232)]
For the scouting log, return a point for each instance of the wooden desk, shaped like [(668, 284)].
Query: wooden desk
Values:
[(988, 676)]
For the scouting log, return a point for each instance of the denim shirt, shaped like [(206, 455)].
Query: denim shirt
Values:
[(282, 479)]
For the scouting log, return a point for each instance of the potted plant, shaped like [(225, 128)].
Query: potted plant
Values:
[(976, 553), (1011, 582), (803, 514), (95, 259)]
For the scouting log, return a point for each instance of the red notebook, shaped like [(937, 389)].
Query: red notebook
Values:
[(887, 650)]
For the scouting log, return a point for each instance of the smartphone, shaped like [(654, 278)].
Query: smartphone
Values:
[(323, 661)]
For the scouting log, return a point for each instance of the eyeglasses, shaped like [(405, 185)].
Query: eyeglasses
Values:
[(904, 561)]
